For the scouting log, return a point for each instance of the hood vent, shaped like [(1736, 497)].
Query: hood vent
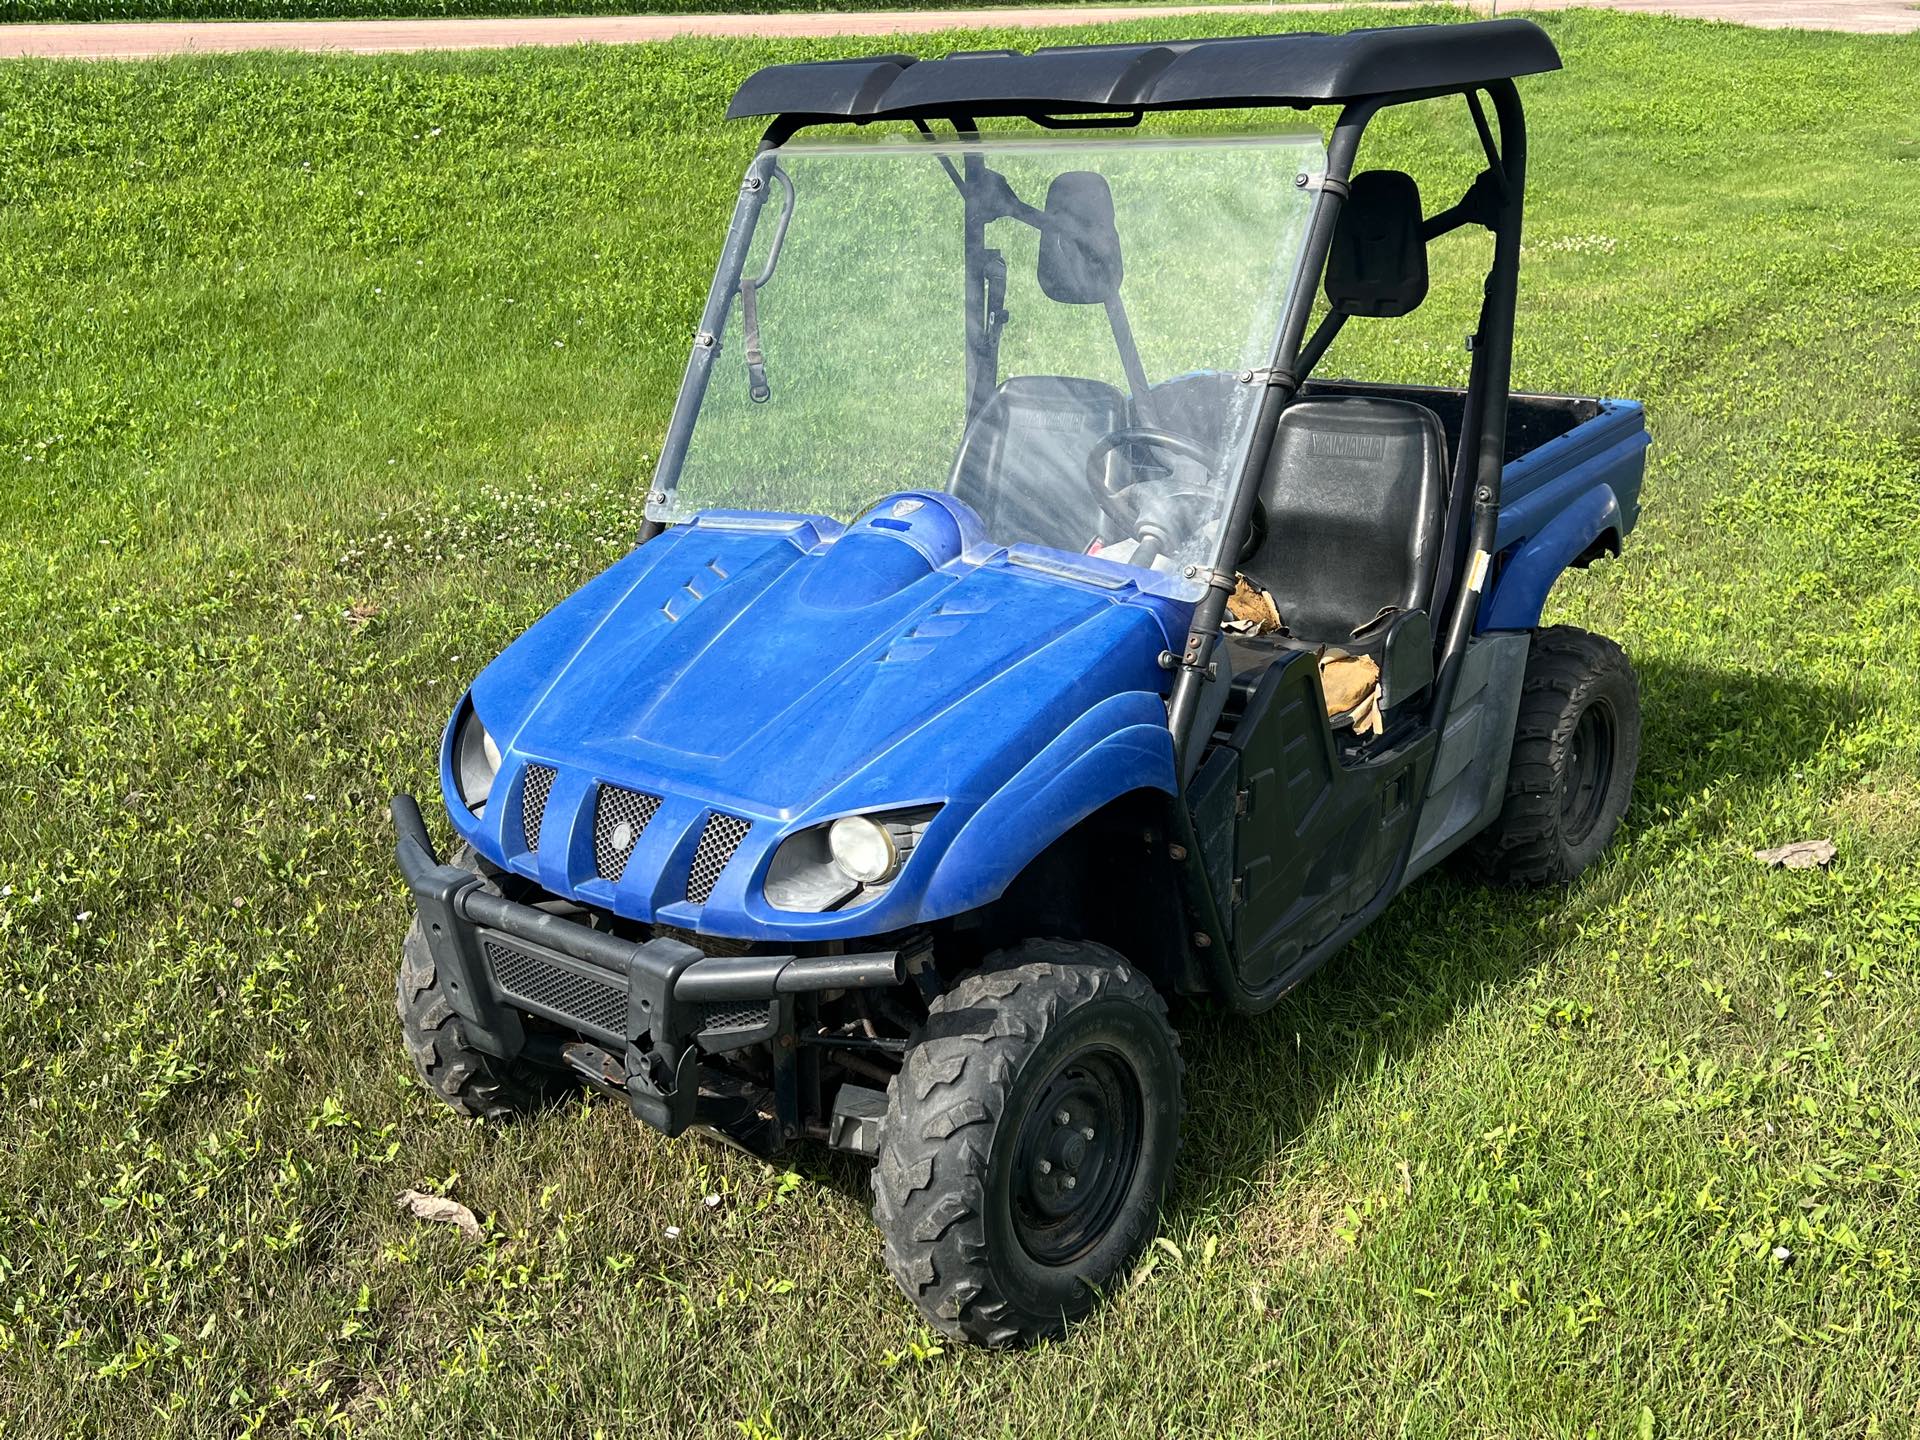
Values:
[(717, 843), (619, 819), (534, 789)]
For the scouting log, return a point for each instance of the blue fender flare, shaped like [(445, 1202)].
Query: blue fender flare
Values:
[(1517, 598), (1119, 746)]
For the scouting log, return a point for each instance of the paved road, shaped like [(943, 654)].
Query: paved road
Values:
[(141, 41)]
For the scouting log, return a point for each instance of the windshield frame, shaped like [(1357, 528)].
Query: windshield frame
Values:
[(968, 158)]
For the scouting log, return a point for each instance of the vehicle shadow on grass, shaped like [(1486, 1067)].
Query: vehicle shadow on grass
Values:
[(1256, 1084)]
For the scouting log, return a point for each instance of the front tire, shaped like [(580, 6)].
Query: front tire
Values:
[(1029, 1139), (469, 1081), (1576, 746)]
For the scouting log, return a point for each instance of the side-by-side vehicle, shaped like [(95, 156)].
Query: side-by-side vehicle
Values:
[(887, 791)]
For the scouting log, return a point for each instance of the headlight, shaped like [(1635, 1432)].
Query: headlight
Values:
[(856, 856), (476, 761), (863, 849)]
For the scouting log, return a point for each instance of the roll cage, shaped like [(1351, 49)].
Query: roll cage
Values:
[(1087, 86)]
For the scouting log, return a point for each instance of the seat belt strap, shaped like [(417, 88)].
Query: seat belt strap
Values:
[(996, 266), (757, 389)]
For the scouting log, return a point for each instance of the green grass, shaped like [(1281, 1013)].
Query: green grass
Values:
[(19, 11), (16, 11), (320, 378)]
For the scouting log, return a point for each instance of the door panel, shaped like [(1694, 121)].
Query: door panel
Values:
[(1316, 840)]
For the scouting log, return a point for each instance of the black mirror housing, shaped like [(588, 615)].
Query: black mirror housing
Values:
[(1079, 244), (1377, 264)]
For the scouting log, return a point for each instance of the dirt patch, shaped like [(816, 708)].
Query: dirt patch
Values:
[(1298, 1227), (1885, 807)]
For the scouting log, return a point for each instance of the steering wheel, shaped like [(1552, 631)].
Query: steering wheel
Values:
[(1157, 512)]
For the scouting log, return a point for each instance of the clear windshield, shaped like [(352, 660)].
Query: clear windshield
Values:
[(1055, 331)]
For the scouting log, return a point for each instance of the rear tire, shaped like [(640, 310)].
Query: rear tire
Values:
[(472, 1082), (1576, 746), (1002, 1220)]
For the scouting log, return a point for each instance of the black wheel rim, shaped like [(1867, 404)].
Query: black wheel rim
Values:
[(1076, 1154), (1589, 772)]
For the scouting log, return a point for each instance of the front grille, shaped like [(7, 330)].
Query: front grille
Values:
[(534, 790), (570, 995), (717, 843), (733, 1015), (619, 819)]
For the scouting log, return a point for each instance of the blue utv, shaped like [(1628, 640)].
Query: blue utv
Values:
[(971, 691)]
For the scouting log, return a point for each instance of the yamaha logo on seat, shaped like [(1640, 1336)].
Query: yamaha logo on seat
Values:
[(1346, 445)]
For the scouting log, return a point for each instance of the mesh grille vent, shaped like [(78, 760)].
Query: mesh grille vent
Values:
[(533, 802), (733, 1015), (717, 843), (599, 1004), (619, 819)]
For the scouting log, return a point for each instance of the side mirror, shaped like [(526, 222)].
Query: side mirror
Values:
[(1377, 264), (1079, 246)]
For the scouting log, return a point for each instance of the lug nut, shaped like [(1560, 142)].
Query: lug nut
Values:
[(1060, 1117), (1046, 1167), (1086, 1132), (1069, 1182)]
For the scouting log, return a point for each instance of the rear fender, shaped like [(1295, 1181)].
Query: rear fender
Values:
[(1120, 745), (1591, 520)]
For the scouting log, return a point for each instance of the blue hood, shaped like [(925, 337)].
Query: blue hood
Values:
[(777, 671)]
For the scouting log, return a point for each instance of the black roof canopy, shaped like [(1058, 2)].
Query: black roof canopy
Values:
[(1224, 72)]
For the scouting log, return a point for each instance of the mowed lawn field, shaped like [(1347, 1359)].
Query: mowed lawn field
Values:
[(320, 378), (39, 11)]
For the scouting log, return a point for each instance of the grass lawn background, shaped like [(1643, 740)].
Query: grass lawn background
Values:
[(321, 377), (16, 11)]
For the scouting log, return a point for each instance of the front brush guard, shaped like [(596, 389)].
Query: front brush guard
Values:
[(662, 1061), (668, 980)]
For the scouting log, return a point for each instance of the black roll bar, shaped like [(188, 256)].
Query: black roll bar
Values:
[(1483, 426), (1282, 383), (1481, 456), (1483, 441)]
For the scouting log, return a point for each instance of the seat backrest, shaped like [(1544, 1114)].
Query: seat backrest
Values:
[(1355, 495), (1022, 464)]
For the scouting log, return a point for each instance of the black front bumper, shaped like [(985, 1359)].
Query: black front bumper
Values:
[(647, 1008)]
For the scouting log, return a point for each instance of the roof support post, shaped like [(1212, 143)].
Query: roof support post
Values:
[(983, 358), (1195, 660), (1483, 441)]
